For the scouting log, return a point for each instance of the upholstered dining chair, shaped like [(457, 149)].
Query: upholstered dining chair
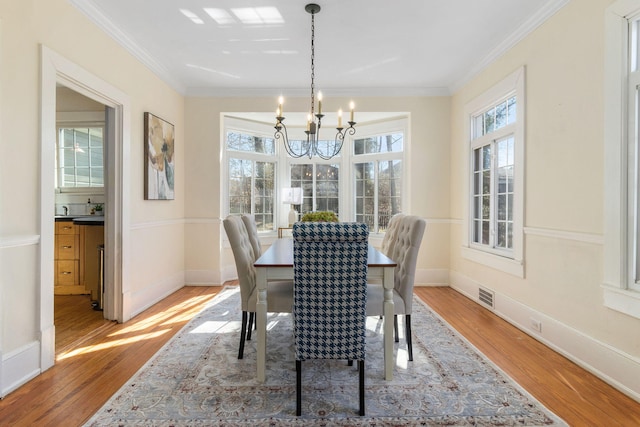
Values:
[(252, 229), (279, 295), (330, 291), (390, 235), (409, 230)]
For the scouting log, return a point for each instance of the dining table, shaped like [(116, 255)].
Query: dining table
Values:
[(276, 263)]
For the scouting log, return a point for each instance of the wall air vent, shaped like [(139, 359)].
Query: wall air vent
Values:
[(486, 297)]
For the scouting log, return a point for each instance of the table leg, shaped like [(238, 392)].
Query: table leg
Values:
[(261, 323), (388, 312)]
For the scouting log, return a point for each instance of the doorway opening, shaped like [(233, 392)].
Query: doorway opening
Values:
[(58, 71)]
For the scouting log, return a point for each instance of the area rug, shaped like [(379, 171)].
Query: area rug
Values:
[(197, 380)]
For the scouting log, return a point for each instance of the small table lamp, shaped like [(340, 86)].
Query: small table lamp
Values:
[(292, 196)]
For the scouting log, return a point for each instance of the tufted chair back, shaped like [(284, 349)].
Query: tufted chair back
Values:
[(243, 255), (408, 236), (252, 230), (389, 239)]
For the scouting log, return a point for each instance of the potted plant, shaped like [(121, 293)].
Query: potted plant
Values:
[(98, 208), (320, 216)]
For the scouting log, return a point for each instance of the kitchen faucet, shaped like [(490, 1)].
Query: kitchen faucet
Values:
[(65, 210)]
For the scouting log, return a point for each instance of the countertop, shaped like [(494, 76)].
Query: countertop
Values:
[(81, 219)]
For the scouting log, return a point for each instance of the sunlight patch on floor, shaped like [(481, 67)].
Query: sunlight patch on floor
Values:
[(110, 344)]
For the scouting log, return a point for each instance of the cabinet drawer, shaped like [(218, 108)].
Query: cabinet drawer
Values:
[(66, 272), (65, 227), (67, 246)]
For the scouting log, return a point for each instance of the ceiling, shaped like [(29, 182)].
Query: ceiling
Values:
[(362, 47)]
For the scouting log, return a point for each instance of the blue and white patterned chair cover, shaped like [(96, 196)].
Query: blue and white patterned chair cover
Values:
[(330, 291)]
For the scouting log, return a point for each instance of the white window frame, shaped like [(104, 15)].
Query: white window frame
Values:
[(256, 129), (511, 261), (80, 119), (622, 185), (393, 127), (315, 162)]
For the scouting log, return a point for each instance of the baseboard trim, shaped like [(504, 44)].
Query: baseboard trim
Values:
[(19, 367), (619, 369), (432, 277), (155, 292), (203, 278)]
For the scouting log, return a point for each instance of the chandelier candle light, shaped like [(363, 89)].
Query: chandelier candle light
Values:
[(310, 147)]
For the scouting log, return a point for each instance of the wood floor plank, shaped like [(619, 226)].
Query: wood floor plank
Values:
[(577, 396), (91, 369)]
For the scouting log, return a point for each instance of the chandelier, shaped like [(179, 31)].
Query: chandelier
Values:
[(310, 147)]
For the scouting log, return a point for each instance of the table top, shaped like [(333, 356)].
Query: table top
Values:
[(280, 254)]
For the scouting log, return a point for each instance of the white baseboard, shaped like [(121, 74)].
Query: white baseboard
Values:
[(155, 292), (432, 277), (619, 369), (19, 367), (203, 278)]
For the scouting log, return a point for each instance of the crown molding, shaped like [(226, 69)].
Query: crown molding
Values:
[(236, 92), (546, 12), (106, 25)]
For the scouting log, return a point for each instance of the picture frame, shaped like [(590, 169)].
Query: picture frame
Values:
[(159, 161)]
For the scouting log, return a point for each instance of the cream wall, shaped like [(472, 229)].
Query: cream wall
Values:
[(564, 61), (157, 228), (177, 242), (428, 188)]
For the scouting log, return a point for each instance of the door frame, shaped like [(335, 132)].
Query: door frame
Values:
[(56, 69)]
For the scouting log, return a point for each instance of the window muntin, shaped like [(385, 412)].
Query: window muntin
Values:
[(493, 167), (327, 184), (378, 192), (495, 118), (320, 185), (239, 141), (391, 143), (493, 191), (251, 176), (79, 157), (633, 184), (252, 190), (493, 232), (378, 180)]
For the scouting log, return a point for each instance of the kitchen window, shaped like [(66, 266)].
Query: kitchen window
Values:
[(80, 157)]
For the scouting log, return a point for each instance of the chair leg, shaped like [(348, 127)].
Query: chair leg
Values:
[(407, 319), (395, 326), (298, 388), (242, 329), (361, 369), (251, 318)]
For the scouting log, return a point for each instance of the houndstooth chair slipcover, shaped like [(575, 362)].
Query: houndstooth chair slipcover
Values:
[(329, 294)]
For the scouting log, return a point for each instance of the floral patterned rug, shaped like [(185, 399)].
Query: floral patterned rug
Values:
[(197, 380)]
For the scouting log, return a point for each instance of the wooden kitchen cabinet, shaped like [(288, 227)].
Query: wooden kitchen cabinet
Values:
[(90, 237), (67, 260)]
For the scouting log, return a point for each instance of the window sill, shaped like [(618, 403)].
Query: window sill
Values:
[(622, 300), (507, 265)]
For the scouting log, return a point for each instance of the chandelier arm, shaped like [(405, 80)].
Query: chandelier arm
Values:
[(281, 133)]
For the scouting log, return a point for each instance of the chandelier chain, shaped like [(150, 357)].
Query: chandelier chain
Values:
[(310, 147), (313, 55)]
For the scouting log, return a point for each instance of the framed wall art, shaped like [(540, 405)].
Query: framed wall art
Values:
[(159, 162)]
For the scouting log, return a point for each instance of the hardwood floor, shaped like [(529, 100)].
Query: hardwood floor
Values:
[(88, 371), (578, 397)]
